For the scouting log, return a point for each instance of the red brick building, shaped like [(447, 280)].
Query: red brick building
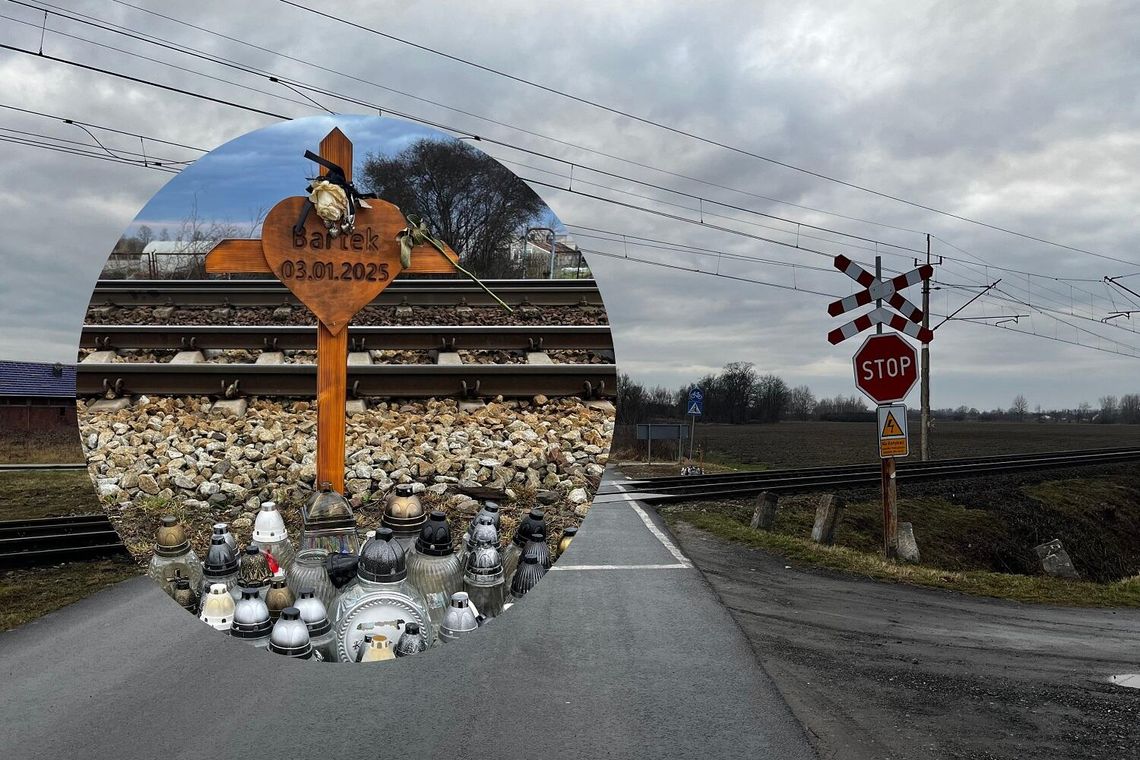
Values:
[(38, 397)]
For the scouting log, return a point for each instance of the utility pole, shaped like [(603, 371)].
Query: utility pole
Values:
[(924, 379)]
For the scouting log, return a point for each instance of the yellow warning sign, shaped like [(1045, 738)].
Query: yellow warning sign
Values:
[(893, 441), (891, 428)]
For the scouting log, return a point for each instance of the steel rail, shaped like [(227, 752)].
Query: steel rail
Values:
[(24, 543), (791, 481), (20, 466), (746, 476), (131, 293), (375, 380), (360, 338)]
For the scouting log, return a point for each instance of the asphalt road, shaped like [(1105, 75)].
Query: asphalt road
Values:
[(876, 670), (621, 652)]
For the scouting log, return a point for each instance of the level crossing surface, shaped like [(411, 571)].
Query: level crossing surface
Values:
[(623, 651)]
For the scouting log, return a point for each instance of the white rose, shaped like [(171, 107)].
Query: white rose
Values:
[(329, 200)]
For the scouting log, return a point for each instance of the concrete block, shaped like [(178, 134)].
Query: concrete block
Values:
[(602, 404), (1055, 560), (403, 310), (232, 408), (101, 311), (538, 357), (109, 405), (764, 517), (188, 357), (162, 312), (472, 406), (283, 312), (222, 312), (212, 353), (827, 516), (270, 357), (908, 545), (355, 406), (356, 358), (450, 358), (100, 357)]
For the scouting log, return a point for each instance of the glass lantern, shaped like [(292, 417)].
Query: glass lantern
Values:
[(316, 618), (221, 566), (270, 535), (173, 558), (328, 523), (434, 568), (483, 579), (290, 636), (459, 620), (251, 621), (404, 514)]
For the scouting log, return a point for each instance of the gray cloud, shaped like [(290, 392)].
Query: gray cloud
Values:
[(1021, 114)]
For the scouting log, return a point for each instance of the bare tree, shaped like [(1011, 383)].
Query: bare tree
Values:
[(801, 403), (1108, 409), (770, 398), (471, 201), (145, 235), (1130, 408), (736, 385), (1019, 408)]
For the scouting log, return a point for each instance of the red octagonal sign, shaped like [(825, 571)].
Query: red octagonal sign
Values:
[(886, 368)]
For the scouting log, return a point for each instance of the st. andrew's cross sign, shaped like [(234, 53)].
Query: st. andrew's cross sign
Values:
[(335, 277)]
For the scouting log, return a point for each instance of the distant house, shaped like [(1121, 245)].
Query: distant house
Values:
[(160, 258), (36, 396), (568, 257)]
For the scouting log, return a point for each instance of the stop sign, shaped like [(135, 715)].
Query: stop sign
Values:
[(886, 368)]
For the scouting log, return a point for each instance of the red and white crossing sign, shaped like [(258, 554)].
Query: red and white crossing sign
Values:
[(886, 368), (876, 289)]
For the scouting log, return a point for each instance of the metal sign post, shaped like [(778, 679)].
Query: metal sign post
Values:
[(696, 409), (886, 366)]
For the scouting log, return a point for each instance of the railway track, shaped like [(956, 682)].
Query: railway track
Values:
[(411, 292), (469, 381), (360, 338), (47, 540), (590, 374), (731, 485)]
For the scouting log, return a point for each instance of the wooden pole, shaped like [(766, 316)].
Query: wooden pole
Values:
[(332, 359), (890, 510)]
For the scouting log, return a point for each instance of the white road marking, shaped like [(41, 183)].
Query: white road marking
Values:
[(654, 529), (676, 566)]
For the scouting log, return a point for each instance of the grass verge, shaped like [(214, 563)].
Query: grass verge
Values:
[(1021, 588), (28, 494), (28, 593)]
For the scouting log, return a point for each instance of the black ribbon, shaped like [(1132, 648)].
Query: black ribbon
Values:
[(336, 176)]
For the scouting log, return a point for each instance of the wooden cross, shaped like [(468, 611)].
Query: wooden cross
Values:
[(335, 278)]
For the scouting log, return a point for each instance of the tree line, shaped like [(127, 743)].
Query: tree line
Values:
[(739, 394), (736, 394)]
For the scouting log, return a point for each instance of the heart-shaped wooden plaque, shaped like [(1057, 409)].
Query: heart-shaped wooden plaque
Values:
[(334, 277)]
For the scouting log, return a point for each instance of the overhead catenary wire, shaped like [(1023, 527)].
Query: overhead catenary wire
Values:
[(297, 86), (86, 154), (245, 107), (692, 135), (514, 127), (216, 59)]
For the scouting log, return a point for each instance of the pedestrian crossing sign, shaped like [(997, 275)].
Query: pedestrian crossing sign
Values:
[(893, 441)]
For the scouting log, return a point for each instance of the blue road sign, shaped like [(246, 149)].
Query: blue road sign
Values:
[(696, 402)]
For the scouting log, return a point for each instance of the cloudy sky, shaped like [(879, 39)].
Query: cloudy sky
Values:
[(1019, 115)]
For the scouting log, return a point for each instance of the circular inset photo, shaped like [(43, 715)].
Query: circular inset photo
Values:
[(345, 389)]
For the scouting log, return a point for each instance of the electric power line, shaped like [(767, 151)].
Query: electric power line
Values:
[(692, 135)]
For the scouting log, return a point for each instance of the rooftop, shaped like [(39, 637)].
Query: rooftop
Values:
[(35, 379)]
